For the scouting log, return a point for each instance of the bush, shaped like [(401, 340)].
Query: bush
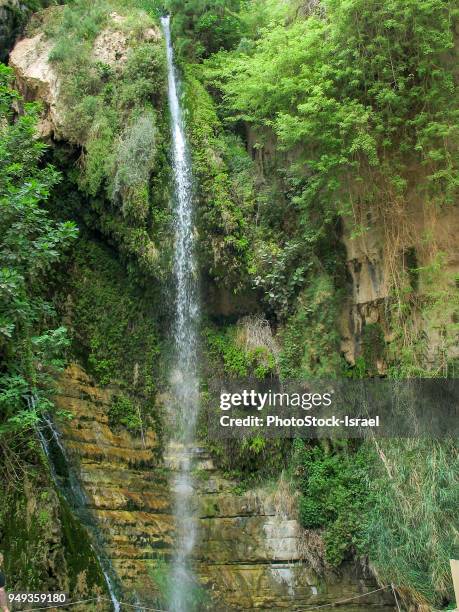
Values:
[(335, 496), (123, 411), (134, 162)]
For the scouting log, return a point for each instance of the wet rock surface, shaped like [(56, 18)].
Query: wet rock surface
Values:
[(251, 552)]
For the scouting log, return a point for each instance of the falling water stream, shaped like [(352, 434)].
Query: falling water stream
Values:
[(184, 374), (74, 494), (184, 379)]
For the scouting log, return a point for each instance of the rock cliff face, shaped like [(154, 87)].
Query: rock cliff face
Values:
[(393, 243), (417, 238), (13, 15), (252, 553), (122, 476), (37, 78)]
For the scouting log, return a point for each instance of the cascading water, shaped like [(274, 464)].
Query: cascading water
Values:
[(185, 378), (74, 494)]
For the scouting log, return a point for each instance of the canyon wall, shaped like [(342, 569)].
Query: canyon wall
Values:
[(252, 553)]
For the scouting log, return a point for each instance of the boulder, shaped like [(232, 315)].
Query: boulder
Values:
[(36, 79)]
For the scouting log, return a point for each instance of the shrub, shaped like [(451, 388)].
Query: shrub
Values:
[(335, 496), (123, 411), (134, 162)]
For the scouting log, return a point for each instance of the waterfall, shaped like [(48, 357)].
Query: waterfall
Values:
[(184, 376), (74, 494)]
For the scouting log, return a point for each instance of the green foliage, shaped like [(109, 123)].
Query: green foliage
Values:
[(202, 28), (222, 345), (411, 353), (339, 104), (394, 501), (117, 112), (45, 548), (14, 18), (237, 360), (335, 496), (353, 94), (134, 163), (114, 320), (361, 80), (281, 272), (255, 445), (30, 245), (310, 339), (224, 204), (252, 461), (123, 411)]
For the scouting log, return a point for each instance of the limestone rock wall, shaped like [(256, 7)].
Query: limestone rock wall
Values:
[(122, 477), (382, 242), (251, 555), (419, 237), (37, 78)]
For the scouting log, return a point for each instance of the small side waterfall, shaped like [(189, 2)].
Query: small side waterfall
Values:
[(74, 494), (184, 375)]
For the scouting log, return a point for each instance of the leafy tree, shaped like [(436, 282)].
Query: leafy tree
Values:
[(30, 244), (203, 27), (367, 78)]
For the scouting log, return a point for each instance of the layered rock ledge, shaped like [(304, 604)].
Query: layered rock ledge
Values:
[(252, 553)]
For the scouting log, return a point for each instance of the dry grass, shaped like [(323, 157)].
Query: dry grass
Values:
[(392, 222), (254, 332), (311, 546), (285, 498)]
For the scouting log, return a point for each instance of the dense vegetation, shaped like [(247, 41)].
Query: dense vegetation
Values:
[(115, 107), (311, 124), (350, 113), (33, 344), (31, 244)]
